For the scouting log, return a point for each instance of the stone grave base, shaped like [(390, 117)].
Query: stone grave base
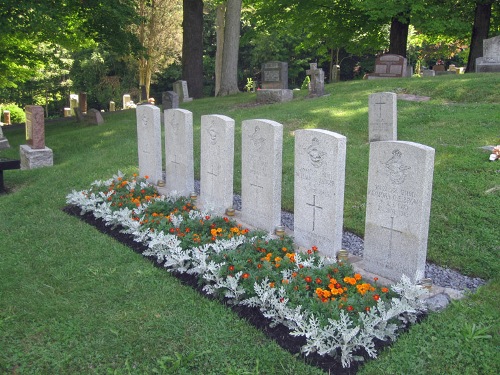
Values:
[(4, 143), (35, 158), (488, 68), (274, 95)]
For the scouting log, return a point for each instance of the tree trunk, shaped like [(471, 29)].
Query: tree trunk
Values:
[(480, 30), (219, 27), (192, 46), (229, 74), (399, 34)]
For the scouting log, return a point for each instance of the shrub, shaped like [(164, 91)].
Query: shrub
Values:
[(17, 115)]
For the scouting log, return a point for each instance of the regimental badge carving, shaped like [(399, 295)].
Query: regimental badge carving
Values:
[(397, 169), (212, 134), (144, 121), (316, 155), (257, 139)]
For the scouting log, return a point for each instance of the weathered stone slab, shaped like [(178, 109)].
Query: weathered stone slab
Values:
[(389, 65), (149, 142), (261, 165), (126, 100), (320, 157), (274, 75), (35, 127), (94, 117), (170, 100), (398, 207), (82, 100), (274, 96), (317, 83), (382, 117), (217, 162), (35, 158), (490, 61), (4, 143), (181, 89), (179, 151)]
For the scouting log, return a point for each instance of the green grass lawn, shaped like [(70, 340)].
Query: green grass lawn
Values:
[(73, 300)]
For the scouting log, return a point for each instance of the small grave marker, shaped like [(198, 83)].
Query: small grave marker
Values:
[(382, 117)]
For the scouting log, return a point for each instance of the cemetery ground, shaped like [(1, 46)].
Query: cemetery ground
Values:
[(74, 300)]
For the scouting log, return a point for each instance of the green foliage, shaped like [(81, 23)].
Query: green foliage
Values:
[(305, 83), (17, 115)]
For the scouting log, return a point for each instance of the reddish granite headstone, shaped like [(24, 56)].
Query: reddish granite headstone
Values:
[(82, 100), (35, 127)]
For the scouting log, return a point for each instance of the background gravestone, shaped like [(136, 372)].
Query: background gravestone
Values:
[(94, 117), (389, 66), (126, 100), (179, 151), (82, 100), (275, 75), (274, 83), (181, 89), (397, 209), (149, 142), (4, 143), (382, 117), (217, 162), (320, 157), (35, 154), (170, 100), (317, 83), (261, 165), (490, 61)]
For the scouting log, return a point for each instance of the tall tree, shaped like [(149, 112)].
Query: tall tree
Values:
[(480, 30), (229, 70), (192, 46), (160, 35)]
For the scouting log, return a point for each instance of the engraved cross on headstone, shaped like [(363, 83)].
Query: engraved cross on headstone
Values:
[(314, 206), (391, 231), (380, 109), (257, 192), (213, 175), (175, 162)]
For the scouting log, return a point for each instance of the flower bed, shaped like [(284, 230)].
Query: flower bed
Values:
[(334, 309)]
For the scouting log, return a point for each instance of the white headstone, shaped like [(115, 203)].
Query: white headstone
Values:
[(261, 164), (398, 208), (126, 100), (217, 162), (382, 117), (179, 151), (320, 157), (149, 142)]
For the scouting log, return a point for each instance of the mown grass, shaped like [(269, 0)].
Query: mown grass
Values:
[(73, 300)]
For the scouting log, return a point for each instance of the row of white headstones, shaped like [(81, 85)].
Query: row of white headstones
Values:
[(398, 195)]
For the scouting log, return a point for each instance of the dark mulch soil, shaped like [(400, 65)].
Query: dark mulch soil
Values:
[(279, 334)]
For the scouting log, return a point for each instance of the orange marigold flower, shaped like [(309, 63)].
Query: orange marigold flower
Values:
[(314, 248), (245, 275), (350, 308), (231, 268), (376, 297), (308, 279), (271, 284), (259, 266), (384, 290), (318, 280), (357, 276), (284, 249), (367, 308)]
